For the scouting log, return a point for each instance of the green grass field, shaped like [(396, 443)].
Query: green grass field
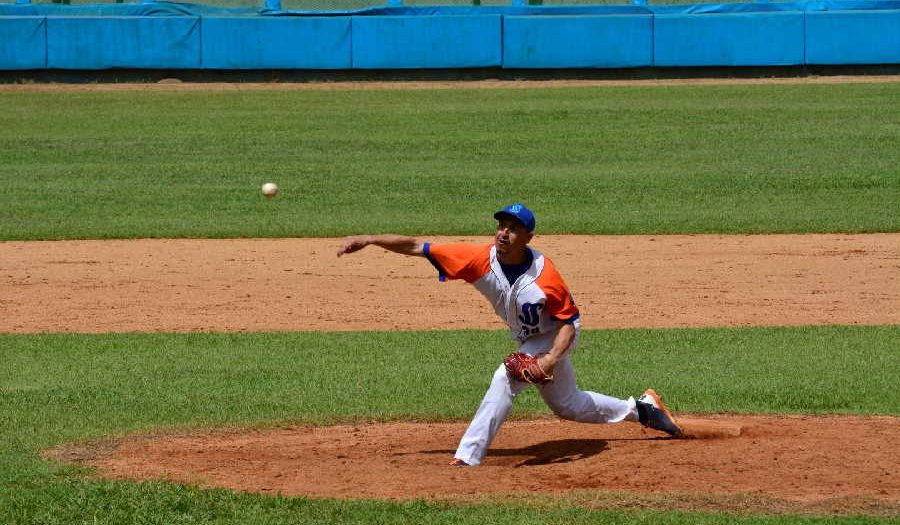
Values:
[(619, 160), (677, 159), (61, 388)]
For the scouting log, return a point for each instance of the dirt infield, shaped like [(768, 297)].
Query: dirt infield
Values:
[(174, 84), (840, 465), (299, 284)]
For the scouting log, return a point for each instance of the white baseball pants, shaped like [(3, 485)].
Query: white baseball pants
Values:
[(561, 395)]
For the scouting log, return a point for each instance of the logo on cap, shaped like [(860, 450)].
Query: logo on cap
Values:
[(520, 212)]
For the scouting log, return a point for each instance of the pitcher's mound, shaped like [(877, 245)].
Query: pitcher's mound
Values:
[(697, 428), (766, 464)]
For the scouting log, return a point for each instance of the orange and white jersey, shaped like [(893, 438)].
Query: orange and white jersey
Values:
[(533, 305)]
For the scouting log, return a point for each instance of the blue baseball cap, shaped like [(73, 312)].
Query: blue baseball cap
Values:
[(519, 211)]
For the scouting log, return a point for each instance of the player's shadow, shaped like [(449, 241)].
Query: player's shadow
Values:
[(552, 452), (549, 452)]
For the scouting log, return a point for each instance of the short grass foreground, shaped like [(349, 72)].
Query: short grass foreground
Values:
[(600, 160), (59, 388)]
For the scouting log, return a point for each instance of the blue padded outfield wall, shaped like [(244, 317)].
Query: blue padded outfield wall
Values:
[(164, 35), (260, 42)]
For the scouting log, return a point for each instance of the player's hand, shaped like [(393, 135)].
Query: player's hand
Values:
[(353, 244), (547, 362)]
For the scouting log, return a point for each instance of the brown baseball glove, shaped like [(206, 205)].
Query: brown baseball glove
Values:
[(524, 367)]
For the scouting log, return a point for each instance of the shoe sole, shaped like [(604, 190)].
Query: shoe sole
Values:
[(662, 408)]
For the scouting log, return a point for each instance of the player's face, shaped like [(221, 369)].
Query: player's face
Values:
[(511, 240)]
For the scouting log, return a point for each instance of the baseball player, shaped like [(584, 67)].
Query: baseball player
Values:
[(529, 294)]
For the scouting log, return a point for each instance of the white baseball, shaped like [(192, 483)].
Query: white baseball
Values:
[(269, 189)]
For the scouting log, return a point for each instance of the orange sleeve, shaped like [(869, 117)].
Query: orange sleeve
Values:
[(560, 303), (459, 261)]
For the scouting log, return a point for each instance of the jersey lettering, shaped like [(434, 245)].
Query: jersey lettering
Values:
[(530, 319), (531, 313)]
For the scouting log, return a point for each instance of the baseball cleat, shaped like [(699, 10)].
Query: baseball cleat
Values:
[(653, 413), (458, 463)]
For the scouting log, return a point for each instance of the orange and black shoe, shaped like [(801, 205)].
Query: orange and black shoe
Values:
[(458, 463), (653, 413)]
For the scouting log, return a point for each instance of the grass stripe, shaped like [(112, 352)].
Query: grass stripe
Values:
[(611, 160), (66, 386)]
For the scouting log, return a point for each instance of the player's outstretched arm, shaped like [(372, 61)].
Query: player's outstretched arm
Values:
[(395, 243)]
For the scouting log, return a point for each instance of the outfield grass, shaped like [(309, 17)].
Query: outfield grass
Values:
[(60, 388), (613, 160)]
